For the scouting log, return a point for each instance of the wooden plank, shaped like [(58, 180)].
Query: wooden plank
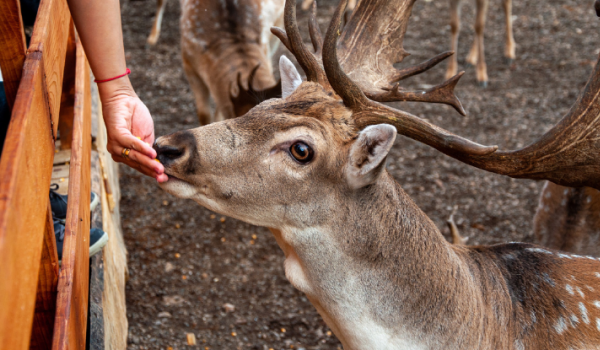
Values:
[(67, 100), (12, 42), (72, 303), (115, 253), (96, 316), (45, 304), (50, 37), (25, 166), (96, 313)]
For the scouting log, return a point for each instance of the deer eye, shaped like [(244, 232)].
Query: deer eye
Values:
[(302, 152)]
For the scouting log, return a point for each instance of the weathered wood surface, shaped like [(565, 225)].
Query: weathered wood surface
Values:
[(72, 303), (115, 253), (25, 166), (12, 42), (96, 315), (67, 99), (50, 36), (45, 304)]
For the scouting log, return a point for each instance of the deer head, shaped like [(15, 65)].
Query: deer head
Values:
[(311, 165)]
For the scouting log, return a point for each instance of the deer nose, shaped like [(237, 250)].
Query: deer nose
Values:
[(179, 147), (167, 154)]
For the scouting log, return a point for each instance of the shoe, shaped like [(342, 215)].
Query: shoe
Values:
[(58, 203), (98, 240), (59, 233)]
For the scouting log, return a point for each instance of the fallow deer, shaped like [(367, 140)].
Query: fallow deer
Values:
[(476, 56), (568, 219), (311, 166), (226, 48)]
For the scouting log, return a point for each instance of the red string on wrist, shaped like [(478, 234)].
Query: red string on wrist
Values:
[(127, 72)]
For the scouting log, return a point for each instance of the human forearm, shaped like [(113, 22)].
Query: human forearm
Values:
[(98, 24)]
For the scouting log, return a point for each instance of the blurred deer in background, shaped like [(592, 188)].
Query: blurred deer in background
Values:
[(476, 56), (156, 25), (312, 167), (568, 219), (226, 48)]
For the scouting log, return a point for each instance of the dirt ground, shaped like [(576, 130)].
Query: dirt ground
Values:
[(186, 262)]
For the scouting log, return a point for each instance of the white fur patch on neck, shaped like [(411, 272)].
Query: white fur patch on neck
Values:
[(290, 78)]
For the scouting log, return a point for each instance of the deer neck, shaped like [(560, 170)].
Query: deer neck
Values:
[(371, 274)]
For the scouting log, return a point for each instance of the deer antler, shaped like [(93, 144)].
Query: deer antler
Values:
[(367, 112), (568, 154), (293, 41), (372, 42), (250, 97)]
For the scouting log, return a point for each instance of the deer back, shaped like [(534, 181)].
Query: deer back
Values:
[(229, 46)]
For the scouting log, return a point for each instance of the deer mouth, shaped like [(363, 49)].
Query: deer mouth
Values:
[(173, 177)]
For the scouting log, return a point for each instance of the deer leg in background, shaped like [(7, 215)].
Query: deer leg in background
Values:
[(306, 4), (155, 33), (481, 11), (349, 10), (201, 93), (509, 49), (454, 32), (481, 67)]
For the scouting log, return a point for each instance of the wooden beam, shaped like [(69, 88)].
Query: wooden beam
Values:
[(26, 165), (73, 284), (50, 37), (12, 42), (67, 100), (45, 304)]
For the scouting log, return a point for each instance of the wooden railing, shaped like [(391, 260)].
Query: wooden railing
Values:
[(47, 87)]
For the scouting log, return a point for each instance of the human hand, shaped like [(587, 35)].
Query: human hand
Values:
[(129, 125)]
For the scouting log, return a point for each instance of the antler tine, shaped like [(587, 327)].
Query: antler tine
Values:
[(280, 34), (315, 32), (351, 94), (420, 68), (306, 59), (442, 93), (249, 96)]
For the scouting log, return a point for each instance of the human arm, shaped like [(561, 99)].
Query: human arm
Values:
[(126, 117)]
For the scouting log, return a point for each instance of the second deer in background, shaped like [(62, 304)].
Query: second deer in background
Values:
[(568, 219), (476, 56), (226, 49)]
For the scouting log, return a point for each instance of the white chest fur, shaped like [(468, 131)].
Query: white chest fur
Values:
[(342, 307)]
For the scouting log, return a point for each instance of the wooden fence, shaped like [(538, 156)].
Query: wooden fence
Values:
[(48, 88)]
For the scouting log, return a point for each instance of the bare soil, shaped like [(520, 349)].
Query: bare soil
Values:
[(186, 262)]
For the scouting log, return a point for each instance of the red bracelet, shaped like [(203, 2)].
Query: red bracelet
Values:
[(113, 78)]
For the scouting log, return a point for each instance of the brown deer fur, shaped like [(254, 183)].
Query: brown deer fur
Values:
[(476, 56), (224, 45), (371, 262), (568, 219)]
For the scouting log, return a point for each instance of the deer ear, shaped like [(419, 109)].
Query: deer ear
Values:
[(368, 154), (290, 78)]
